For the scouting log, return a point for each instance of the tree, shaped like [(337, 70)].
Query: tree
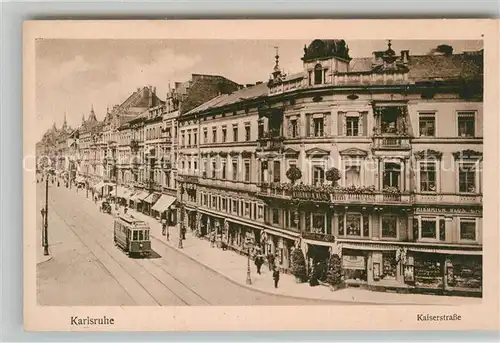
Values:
[(333, 175), (299, 265), (293, 174), (334, 272)]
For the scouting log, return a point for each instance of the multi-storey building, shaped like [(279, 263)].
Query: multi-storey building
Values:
[(89, 160), (389, 150)]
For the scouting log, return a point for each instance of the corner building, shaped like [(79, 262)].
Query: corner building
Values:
[(405, 133)]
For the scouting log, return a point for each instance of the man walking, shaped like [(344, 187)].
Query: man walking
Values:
[(276, 277), (258, 263), (270, 260)]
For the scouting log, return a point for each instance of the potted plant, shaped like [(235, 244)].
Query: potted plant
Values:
[(333, 175), (334, 272), (293, 174), (298, 265)]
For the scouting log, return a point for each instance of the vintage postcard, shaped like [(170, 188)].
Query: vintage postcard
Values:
[(260, 175)]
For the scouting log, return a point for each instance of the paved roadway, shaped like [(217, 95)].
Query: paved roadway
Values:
[(87, 268)]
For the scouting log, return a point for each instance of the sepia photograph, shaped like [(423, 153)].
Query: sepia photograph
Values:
[(325, 171)]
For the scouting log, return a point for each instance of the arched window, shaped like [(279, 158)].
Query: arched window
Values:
[(318, 74)]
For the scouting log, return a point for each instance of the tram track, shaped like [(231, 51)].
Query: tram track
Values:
[(157, 272)]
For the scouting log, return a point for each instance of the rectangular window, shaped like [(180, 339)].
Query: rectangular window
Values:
[(466, 124), (294, 128), (276, 216), (195, 165), (247, 132), (277, 172), (134, 235), (468, 229), (318, 175), (235, 132), (392, 173), (205, 135), (261, 129), (352, 126), (195, 137), (224, 204), (235, 206), (214, 134), (353, 225), (235, 170), (247, 171), (427, 124), (428, 177), (353, 176), (224, 134), (389, 226), (223, 167), (318, 224), (183, 138), (428, 228), (189, 138), (260, 212), (247, 209), (467, 178), (213, 169), (318, 127)]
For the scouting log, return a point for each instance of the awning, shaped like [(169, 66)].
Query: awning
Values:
[(139, 196), (152, 198), (123, 193), (163, 203)]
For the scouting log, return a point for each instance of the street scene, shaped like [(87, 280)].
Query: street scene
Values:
[(314, 172)]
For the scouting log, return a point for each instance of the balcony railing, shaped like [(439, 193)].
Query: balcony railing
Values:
[(318, 237), (449, 198), (391, 142), (229, 184), (271, 142), (338, 195)]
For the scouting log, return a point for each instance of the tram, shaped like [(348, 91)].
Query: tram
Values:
[(132, 236)]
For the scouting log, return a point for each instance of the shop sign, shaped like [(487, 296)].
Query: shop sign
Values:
[(354, 262), (456, 210)]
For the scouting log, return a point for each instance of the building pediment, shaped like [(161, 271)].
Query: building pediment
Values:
[(429, 153), (291, 152), (467, 154), (354, 152), (317, 152)]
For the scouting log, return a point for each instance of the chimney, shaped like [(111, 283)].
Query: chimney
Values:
[(405, 56)]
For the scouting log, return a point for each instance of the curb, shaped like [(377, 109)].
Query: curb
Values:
[(277, 294), (238, 283)]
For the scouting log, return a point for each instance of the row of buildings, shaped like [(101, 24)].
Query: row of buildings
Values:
[(389, 149)]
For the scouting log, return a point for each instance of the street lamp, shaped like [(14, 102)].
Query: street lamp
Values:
[(181, 223), (248, 244), (45, 214)]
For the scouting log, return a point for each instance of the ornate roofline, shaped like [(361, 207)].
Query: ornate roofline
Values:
[(467, 154), (428, 153)]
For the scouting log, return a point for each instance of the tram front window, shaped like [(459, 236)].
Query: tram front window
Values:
[(146, 235), (141, 235), (135, 236)]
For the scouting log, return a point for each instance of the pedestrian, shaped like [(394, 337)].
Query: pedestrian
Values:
[(212, 239), (276, 277), (164, 228), (270, 261), (258, 263), (183, 232)]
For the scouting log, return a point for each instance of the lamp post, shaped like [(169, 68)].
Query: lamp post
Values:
[(43, 224), (248, 244), (181, 223), (46, 215)]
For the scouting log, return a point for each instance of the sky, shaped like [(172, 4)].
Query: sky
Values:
[(72, 75)]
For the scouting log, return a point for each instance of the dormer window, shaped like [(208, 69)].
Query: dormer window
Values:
[(318, 74)]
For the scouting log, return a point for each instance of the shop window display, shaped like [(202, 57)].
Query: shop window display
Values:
[(354, 266), (466, 272), (428, 271), (389, 266)]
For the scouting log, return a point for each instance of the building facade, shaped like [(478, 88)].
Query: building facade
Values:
[(389, 149)]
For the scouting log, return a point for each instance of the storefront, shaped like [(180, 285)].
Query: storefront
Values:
[(464, 272), (354, 264), (163, 210), (428, 270)]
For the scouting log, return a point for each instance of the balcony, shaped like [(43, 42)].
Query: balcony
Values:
[(318, 237), (229, 184), (391, 142), (270, 141), (333, 194), (465, 199)]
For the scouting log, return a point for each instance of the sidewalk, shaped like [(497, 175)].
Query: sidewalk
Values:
[(233, 267)]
